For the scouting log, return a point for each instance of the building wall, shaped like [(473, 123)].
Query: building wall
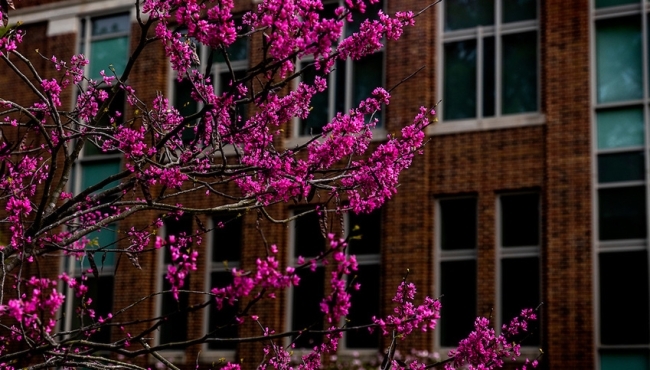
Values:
[(552, 158)]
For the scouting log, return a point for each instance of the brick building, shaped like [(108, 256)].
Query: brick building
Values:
[(533, 187)]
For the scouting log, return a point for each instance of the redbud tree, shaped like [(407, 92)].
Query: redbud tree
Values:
[(231, 156)]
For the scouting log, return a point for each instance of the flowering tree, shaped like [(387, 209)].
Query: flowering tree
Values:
[(231, 158)]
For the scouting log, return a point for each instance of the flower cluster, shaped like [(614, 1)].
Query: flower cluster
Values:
[(483, 349), (407, 316)]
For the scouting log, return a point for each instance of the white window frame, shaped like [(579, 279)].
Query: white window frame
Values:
[(362, 260), (441, 256), (177, 355), (379, 132), (203, 53), (292, 261), (641, 9), (523, 251), (73, 267), (478, 33), (212, 266)]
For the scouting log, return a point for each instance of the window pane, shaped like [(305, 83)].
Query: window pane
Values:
[(620, 128), (489, 87), (624, 298), (519, 73), (604, 3), (105, 239), (460, 79), (519, 290), (365, 305), (368, 73), (227, 240), (175, 327), (319, 114), (621, 167), (458, 285), (369, 232), (92, 173), (458, 224), (468, 13), (519, 10), (622, 213), (371, 13), (308, 239), (225, 317), (520, 220), (183, 100), (306, 298), (622, 359), (111, 24), (104, 53), (618, 57), (237, 51), (101, 292)]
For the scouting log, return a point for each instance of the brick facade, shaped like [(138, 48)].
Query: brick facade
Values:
[(553, 158)]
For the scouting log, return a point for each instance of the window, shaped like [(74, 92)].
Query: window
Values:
[(307, 242), (175, 327), (221, 77), (519, 263), (456, 276), (104, 41), (490, 58), (225, 253), (349, 83), (366, 245), (621, 109)]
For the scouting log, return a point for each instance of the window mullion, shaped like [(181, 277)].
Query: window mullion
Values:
[(479, 72), (498, 59)]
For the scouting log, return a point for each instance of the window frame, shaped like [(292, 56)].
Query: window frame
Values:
[(370, 259), (292, 261), (478, 33), (640, 9), (210, 267), (441, 256), (378, 133), (216, 70), (511, 252), (70, 265)]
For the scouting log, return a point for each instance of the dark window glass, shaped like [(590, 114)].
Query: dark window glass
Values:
[(111, 24), (604, 3), (460, 80), (222, 321), (519, 220), (100, 291), (468, 13), (519, 10), (622, 213), (365, 305), (319, 114), (227, 240), (519, 290), (174, 329), (367, 238), (519, 73), (368, 74), (458, 224), (621, 167), (458, 287), (306, 313), (620, 128), (624, 307), (619, 59), (618, 359), (489, 87), (309, 241)]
